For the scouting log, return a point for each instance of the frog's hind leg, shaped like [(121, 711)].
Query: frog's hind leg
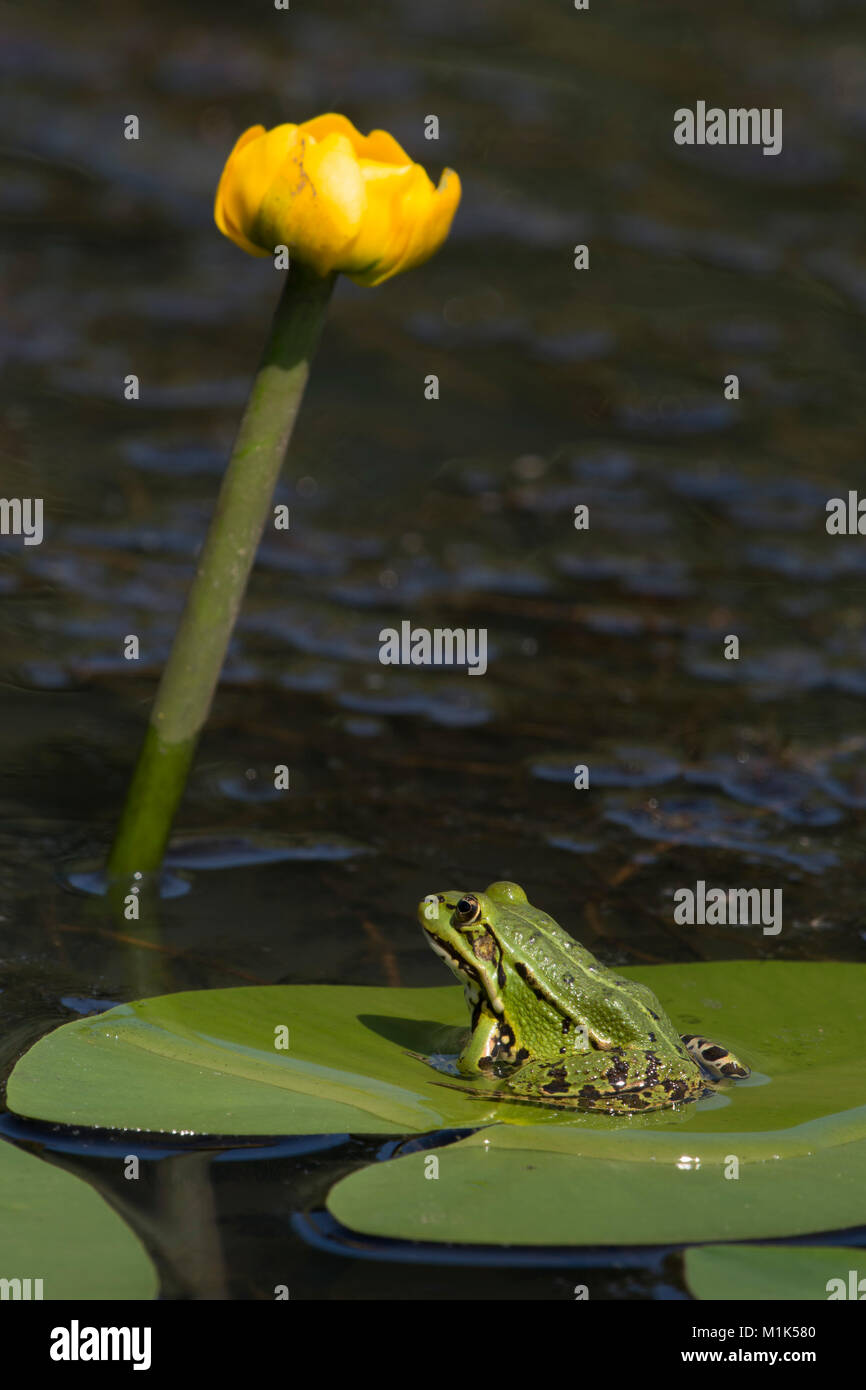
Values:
[(621, 1103), (714, 1058), (618, 1081)]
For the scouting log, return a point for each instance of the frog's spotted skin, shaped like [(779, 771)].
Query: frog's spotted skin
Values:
[(550, 1023), (714, 1058)]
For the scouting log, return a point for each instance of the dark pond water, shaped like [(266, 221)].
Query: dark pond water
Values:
[(558, 388)]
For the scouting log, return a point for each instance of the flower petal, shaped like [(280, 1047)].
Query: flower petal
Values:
[(250, 171), (316, 204), (414, 218), (338, 199)]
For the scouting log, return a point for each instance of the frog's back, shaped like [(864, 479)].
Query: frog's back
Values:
[(626, 1009), (537, 937)]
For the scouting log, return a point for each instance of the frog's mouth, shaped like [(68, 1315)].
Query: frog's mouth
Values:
[(472, 973), (479, 971)]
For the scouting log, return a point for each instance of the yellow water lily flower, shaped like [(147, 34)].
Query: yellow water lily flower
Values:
[(338, 199)]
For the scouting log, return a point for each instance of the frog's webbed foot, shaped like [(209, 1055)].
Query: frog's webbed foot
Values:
[(713, 1058)]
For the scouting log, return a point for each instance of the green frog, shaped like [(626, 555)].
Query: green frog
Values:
[(553, 1024)]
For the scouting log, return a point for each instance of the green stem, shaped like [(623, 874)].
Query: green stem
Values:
[(189, 680)]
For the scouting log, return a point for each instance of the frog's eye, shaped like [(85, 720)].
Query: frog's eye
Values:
[(467, 910)]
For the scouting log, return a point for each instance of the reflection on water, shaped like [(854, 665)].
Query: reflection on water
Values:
[(558, 388)]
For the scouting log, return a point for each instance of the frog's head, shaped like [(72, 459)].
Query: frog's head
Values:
[(465, 929)]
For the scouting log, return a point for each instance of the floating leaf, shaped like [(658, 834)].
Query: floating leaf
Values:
[(206, 1062), (769, 1272), (506, 1186), (57, 1229)]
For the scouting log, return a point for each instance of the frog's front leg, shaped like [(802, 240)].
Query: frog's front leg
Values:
[(480, 1051), (624, 1079)]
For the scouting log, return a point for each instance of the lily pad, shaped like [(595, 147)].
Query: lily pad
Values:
[(783, 1153), (755, 1273), (57, 1229), (509, 1187), (206, 1062)]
